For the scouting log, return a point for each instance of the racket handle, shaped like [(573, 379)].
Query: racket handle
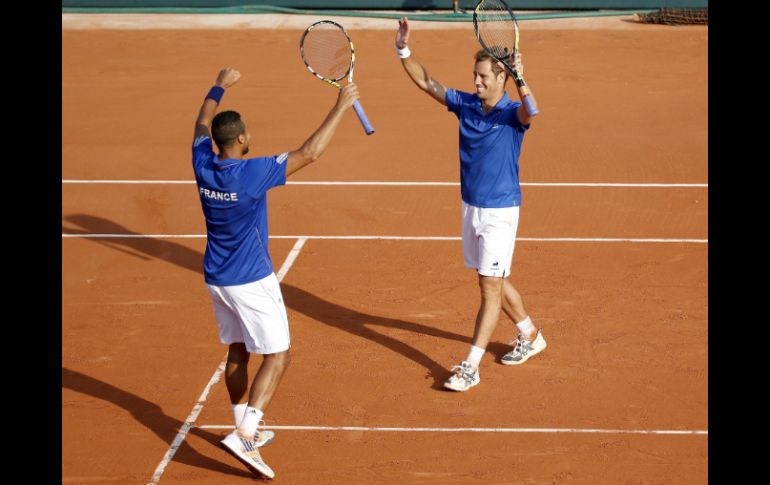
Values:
[(529, 102), (362, 116)]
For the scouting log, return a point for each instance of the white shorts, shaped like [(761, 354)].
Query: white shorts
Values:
[(254, 314), (489, 235)]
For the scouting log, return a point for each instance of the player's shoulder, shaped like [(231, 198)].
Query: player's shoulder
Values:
[(463, 96), (201, 140), (264, 163), (457, 100), (260, 159), (512, 107), (202, 152), (279, 158)]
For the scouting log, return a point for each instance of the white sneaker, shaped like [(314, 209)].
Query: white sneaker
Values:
[(264, 437), (524, 349), (247, 451), (464, 378)]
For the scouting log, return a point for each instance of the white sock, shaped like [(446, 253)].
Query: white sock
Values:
[(250, 421), (474, 356), (238, 411), (526, 327)]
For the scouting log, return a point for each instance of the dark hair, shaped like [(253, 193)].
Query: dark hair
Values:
[(226, 127), (483, 55)]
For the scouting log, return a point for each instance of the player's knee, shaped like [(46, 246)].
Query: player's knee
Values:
[(281, 359), (284, 357), (491, 286), (237, 353)]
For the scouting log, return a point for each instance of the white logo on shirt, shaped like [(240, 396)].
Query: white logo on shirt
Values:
[(199, 140), (282, 158), (213, 194)]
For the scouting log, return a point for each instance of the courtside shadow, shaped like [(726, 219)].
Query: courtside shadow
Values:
[(359, 324), (297, 299), (137, 246), (153, 418)]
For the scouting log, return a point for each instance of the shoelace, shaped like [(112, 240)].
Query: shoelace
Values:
[(463, 372), (522, 346)]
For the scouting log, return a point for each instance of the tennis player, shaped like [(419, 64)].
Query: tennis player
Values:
[(492, 128), (238, 271)]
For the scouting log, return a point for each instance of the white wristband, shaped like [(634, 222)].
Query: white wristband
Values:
[(403, 53)]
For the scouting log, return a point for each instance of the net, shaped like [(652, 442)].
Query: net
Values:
[(676, 16), (326, 50)]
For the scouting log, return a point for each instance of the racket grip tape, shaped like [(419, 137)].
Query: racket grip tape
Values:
[(362, 116)]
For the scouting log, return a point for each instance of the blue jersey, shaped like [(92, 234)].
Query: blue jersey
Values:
[(489, 150), (233, 196)]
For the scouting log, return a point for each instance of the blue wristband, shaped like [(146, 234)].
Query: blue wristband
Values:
[(216, 93)]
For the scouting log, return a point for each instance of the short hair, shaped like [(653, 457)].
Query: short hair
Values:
[(226, 127), (483, 55)]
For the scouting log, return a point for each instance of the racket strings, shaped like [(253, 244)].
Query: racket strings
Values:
[(327, 51), (496, 28)]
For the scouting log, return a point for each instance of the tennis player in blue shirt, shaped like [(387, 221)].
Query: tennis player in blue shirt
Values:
[(238, 271), (492, 127)]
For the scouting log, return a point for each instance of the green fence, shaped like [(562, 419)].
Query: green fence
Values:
[(379, 4)]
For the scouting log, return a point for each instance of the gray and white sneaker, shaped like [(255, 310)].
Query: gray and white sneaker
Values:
[(463, 379), (247, 452), (524, 349), (265, 436)]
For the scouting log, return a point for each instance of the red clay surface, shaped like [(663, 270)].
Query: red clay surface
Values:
[(376, 324)]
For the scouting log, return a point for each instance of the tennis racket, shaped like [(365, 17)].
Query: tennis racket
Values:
[(498, 33), (327, 51)]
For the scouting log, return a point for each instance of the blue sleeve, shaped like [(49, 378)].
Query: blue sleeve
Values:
[(265, 173), (202, 150), (453, 100), (514, 122)]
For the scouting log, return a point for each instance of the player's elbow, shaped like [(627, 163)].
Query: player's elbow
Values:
[(424, 83), (315, 155), (311, 153)]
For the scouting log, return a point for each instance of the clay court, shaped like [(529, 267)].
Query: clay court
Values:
[(611, 260)]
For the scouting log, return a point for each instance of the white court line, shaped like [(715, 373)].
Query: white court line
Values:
[(290, 258), (480, 430), (187, 425), (214, 379), (396, 184), (397, 238)]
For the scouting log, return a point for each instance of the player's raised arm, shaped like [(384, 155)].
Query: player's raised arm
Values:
[(414, 69), (522, 113), (316, 144), (226, 78)]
